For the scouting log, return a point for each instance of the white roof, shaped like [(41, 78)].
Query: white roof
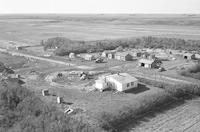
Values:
[(123, 78)]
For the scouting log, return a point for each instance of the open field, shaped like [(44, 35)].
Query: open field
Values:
[(183, 118), (31, 29)]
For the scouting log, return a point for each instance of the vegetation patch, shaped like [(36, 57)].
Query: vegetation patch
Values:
[(21, 110), (193, 72), (65, 46)]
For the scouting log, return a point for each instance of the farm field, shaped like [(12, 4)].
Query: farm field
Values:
[(183, 118), (31, 29)]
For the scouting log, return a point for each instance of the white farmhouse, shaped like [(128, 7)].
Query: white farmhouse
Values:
[(120, 82)]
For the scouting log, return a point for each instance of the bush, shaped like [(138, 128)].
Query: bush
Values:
[(22, 110), (193, 72), (65, 46)]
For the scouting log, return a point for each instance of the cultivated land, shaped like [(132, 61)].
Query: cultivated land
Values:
[(29, 30), (32, 29)]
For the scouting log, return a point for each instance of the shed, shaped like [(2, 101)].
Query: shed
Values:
[(111, 55), (72, 55), (89, 57), (136, 54), (101, 84), (124, 56), (107, 52), (197, 56), (148, 63), (122, 81), (189, 56)]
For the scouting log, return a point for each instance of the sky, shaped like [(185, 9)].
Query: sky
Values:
[(100, 6)]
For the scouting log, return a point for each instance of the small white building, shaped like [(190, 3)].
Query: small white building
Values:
[(101, 84), (120, 82), (72, 55)]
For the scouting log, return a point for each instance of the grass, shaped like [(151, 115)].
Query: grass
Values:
[(134, 113), (33, 28), (193, 72)]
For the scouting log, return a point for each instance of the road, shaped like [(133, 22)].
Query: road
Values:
[(15, 53), (160, 78)]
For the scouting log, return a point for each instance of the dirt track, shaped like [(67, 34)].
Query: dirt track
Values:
[(44, 59)]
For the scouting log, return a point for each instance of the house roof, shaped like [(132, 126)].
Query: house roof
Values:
[(109, 51), (146, 61), (123, 78)]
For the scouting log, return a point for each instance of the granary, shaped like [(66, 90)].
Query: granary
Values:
[(149, 63), (189, 56), (124, 56), (107, 52), (72, 55), (120, 82)]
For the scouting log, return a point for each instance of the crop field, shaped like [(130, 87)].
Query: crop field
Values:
[(33, 28), (183, 118)]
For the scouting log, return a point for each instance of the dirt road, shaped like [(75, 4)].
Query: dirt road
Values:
[(15, 53)]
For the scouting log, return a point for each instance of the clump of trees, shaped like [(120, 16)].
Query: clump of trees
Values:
[(193, 72), (22, 111), (64, 46)]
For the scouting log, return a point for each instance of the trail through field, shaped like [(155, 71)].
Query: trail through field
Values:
[(45, 59), (183, 118)]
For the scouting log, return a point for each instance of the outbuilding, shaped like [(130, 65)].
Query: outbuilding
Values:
[(189, 56), (107, 52), (124, 56), (89, 57), (72, 55), (197, 56), (149, 63), (136, 54)]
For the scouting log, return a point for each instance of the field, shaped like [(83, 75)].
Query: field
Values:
[(31, 29), (182, 118)]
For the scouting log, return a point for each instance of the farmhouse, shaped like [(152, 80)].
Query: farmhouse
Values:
[(189, 56), (120, 82), (148, 63), (124, 56)]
